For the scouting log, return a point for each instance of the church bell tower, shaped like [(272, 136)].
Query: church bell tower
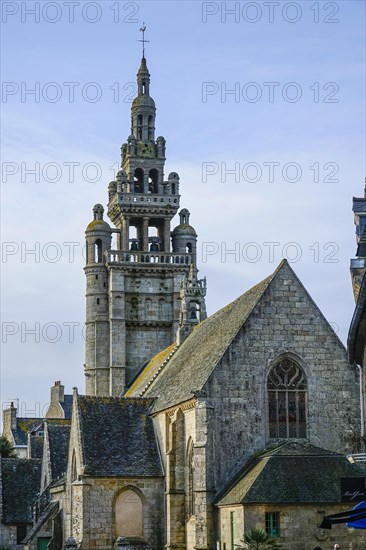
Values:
[(134, 291)]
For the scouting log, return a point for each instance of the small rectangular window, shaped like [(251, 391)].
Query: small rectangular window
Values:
[(21, 533), (273, 524)]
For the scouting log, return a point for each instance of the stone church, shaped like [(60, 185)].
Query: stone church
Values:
[(192, 430)]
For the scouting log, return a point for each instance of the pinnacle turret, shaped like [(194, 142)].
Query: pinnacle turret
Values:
[(193, 307)]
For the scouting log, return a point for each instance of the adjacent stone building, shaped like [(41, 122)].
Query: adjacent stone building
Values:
[(357, 331)]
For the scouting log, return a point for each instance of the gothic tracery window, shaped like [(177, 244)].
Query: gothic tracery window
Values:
[(287, 388)]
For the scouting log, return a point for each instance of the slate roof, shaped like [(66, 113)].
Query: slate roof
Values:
[(58, 437), (117, 437), (67, 406), (150, 371), (36, 446), (196, 358), (25, 425), (21, 480), (293, 473)]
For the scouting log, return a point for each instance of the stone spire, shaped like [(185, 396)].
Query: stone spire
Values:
[(143, 107)]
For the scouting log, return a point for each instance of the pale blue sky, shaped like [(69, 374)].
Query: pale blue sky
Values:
[(182, 55)]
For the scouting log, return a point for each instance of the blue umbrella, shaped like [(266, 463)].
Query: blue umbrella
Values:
[(359, 523)]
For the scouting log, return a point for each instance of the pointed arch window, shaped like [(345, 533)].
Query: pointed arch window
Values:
[(138, 181), (287, 396)]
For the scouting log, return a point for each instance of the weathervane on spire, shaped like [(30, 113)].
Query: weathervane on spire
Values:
[(143, 29)]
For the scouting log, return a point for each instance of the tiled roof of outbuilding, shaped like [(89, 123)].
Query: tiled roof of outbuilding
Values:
[(291, 473), (21, 483), (58, 436), (25, 425), (118, 437), (36, 446)]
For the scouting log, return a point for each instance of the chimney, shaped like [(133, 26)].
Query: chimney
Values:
[(57, 392), (9, 421)]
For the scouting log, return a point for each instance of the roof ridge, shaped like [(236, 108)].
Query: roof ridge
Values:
[(30, 418), (112, 399), (79, 425), (158, 371)]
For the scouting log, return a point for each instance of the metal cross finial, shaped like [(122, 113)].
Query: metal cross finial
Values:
[(143, 29)]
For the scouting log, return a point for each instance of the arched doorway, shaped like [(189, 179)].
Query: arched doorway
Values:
[(128, 513)]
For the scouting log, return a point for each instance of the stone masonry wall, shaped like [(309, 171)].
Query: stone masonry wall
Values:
[(176, 467), (284, 321), (231, 526), (99, 513), (298, 527)]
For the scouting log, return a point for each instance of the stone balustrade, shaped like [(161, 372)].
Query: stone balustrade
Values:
[(136, 257), (148, 198)]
